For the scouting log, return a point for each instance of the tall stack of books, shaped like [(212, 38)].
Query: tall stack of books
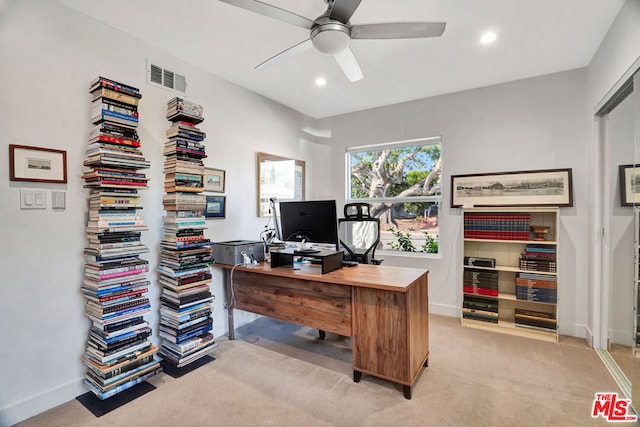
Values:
[(119, 354), (186, 301)]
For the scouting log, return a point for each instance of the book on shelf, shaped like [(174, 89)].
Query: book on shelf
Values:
[(124, 376), (113, 130), (101, 82), (179, 360), (102, 395), (480, 262), (491, 318), (108, 371), (535, 319), (190, 345), (497, 226), (105, 92)]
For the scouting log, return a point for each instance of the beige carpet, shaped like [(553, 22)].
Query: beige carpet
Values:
[(278, 374)]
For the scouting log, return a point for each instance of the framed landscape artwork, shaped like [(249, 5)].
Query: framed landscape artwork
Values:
[(629, 184), (37, 164), (214, 180), (216, 207), (550, 187)]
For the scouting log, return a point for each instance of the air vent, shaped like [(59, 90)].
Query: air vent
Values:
[(166, 78), (156, 74)]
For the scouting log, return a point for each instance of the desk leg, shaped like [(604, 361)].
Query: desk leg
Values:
[(407, 391), (230, 304), (357, 375)]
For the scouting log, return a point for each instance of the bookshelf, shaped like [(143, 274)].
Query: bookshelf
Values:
[(119, 354), (509, 273), (186, 321)]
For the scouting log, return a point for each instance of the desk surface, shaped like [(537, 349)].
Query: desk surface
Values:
[(384, 277)]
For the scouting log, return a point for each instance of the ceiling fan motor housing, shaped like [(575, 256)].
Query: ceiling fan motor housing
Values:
[(330, 36)]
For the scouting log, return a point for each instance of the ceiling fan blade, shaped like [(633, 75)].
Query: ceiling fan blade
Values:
[(285, 54), (398, 30), (349, 65), (342, 10), (272, 12)]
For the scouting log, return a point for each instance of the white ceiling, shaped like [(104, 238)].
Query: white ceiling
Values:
[(535, 37)]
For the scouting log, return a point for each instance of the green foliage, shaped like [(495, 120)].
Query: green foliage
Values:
[(404, 242), (416, 168), (431, 243)]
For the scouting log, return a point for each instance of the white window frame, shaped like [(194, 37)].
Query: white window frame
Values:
[(413, 199)]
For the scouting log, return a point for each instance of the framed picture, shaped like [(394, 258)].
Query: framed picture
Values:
[(214, 180), (629, 184), (550, 187), (216, 207), (37, 164)]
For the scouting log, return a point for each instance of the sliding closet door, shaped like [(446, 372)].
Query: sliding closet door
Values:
[(620, 123)]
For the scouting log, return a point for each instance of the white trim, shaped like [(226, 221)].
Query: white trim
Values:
[(432, 140), (412, 199), (621, 81), (40, 402)]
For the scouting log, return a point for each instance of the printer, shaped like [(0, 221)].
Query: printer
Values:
[(230, 252)]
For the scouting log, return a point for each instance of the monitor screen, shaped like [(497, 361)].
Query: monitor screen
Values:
[(314, 221)]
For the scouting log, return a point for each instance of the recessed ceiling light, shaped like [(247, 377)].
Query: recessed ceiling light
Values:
[(321, 81), (488, 37)]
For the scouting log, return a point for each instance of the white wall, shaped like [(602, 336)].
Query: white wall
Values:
[(537, 123), (48, 56)]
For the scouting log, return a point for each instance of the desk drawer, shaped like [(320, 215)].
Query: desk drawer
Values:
[(318, 305)]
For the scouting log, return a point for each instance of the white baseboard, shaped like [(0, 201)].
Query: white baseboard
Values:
[(41, 402), (444, 310)]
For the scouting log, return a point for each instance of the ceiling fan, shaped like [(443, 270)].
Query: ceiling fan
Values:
[(331, 32)]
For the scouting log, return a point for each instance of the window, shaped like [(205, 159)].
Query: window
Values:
[(401, 181)]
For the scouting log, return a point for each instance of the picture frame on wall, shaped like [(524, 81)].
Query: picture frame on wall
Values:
[(216, 207), (548, 187), (629, 184), (37, 164), (214, 180)]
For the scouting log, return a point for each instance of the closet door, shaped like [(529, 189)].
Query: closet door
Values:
[(620, 133)]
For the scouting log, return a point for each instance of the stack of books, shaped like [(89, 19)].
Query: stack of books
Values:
[(480, 282), (539, 258), (186, 322), (497, 226), (479, 308), (119, 353), (537, 287), (535, 319)]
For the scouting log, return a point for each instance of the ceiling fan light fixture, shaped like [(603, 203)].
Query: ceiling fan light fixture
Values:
[(330, 39)]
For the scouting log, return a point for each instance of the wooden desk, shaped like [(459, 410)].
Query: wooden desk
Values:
[(384, 309)]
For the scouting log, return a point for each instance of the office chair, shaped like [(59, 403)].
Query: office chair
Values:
[(359, 234)]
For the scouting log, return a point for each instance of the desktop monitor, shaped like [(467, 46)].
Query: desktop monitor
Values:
[(312, 221)]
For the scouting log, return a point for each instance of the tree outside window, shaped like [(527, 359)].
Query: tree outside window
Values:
[(402, 183)]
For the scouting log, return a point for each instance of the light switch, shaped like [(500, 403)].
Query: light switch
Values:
[(58, 200), (33, 199)]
